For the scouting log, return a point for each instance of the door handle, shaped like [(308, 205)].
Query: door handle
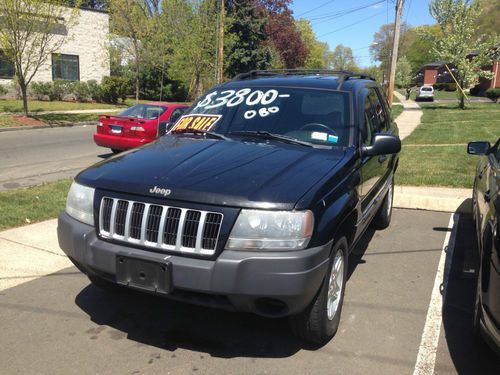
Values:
[(382, 158), (487, 196)]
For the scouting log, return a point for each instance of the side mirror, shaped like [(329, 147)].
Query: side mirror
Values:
[(478, 147), (382, 144), (163, 128)]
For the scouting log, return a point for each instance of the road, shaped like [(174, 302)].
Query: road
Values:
[(30, 157), (60, 324)]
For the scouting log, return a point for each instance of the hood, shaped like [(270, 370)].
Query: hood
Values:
[(231, 173)]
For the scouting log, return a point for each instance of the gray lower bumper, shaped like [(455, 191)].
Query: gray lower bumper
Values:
[(270, 284)]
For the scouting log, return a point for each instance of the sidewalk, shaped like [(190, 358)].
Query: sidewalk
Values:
[(410, 118), (425, 198), (36, 242)]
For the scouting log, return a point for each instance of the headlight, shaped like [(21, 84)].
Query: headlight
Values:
[(80, 203), (271, 230)]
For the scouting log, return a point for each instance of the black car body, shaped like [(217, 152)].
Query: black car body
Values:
[(486, 211), (251, 205)]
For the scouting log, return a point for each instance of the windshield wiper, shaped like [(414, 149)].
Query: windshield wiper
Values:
[(202, 132), (268, 135)]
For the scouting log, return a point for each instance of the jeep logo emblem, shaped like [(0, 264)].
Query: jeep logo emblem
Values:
[(160, 191)]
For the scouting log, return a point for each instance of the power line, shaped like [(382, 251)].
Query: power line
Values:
[(352, 24), (319, 6), (343, 12)]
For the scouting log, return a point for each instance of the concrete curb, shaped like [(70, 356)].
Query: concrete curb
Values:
[(433, 199), (46, 126)]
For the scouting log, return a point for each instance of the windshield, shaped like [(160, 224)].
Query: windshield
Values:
[(426, 89), (145, 111), (310, 115)]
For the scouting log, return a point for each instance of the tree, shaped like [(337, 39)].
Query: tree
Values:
[(342, 58), (458, 22), (403, 72), (317, 56), (245, 38), (30, 32), (419, 50), (193, 42), (282, 33), (132, 19), (488, 21), (381, 47)]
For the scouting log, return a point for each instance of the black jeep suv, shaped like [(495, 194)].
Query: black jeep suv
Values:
[(251, 202)]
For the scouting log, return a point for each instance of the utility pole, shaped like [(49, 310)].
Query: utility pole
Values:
[(220, 52), (394, 55)]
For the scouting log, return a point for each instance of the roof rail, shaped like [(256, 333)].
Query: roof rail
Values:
[(342, 74)]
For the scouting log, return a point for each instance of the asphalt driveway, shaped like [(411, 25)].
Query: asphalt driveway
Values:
[(60, 324)]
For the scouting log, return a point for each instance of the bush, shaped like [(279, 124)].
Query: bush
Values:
[(60, 88), (3, 90), (493, 94), (94, 90), (41, 90), (113, 88), (81, 91)]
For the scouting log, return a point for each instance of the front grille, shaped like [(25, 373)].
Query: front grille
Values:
[(160, 227)]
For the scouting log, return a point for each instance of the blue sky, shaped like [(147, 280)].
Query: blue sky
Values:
[(356, 29)]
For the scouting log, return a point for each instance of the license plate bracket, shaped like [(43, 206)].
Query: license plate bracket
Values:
[(116, 129), (144, 274)]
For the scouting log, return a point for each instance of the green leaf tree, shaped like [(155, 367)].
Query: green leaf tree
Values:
[(342, 58), (403, 72), (30, 32), (245, 37), (192, 53), (317, 55), (458, 22)]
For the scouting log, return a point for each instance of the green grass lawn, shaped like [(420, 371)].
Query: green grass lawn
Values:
[(30, 205), (435, 153), (396, 110), (11, 105)]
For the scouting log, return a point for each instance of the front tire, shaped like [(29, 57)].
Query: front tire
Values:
[(383, 217), (319, 322), (115, 151)]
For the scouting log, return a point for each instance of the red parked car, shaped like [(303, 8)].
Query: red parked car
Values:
[(137, 125)]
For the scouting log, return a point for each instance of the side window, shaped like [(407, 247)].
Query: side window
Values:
[(381, 118), (369, 127), (176, 114)]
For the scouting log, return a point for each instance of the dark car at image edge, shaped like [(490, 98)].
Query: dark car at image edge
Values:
[(486, 213), (252, 202)]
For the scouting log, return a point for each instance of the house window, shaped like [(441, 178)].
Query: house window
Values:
[(65, 67), (6, 67)]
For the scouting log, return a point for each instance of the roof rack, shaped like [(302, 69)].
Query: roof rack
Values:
[(343, 75)]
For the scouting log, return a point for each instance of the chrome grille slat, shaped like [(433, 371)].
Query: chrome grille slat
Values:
[(160, 227)]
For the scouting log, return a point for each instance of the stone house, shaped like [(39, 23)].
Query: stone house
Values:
[(83, 56)]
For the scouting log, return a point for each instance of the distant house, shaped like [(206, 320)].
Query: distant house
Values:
[(83, 56), (485, 84), (436, 74)]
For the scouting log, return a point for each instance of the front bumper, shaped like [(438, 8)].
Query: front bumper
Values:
[(270, 284), (119, 142)]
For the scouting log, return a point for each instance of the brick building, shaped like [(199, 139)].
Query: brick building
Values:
[(83, 56)]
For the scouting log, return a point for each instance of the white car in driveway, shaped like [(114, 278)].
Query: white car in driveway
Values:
[(425, 93)]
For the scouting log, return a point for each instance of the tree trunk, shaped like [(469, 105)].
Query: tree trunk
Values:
[(24, 96), (137, 84), (462, 98)]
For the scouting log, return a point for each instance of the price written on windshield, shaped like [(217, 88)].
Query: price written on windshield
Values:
[(233, 98)]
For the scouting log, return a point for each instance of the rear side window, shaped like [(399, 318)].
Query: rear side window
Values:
[(378, 114), (144, 111)]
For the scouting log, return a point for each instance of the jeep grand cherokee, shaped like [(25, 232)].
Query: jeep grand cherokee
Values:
[(252, 202)]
